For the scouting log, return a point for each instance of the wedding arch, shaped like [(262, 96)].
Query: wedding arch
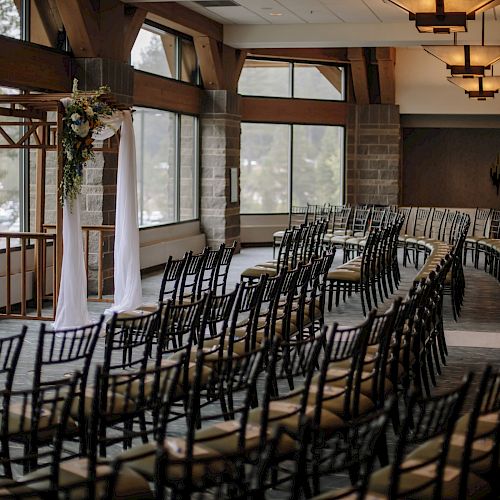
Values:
[(41, 121)]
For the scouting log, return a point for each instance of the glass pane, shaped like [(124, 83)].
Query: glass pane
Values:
[(189, 63), (10, 20), (10, 164), (46, 26), (264, 168), (155, 53), (189, 168), (318, 82), (156, 178), (317, 164), (265, 78)]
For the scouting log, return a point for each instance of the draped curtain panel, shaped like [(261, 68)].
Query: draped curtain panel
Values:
[(72, 309)]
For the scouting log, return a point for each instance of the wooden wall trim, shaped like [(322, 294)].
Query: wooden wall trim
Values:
[(330, 55), (163, 93), (28, 66), (305, 111)]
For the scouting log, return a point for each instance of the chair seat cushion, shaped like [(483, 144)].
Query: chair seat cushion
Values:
[(129, 486), (476, 487), (206, 461), (257, 272), (344, 275), (286, 413)]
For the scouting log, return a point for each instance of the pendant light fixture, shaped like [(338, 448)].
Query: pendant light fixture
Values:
[(482, 88), (466, 60), (443, 16)]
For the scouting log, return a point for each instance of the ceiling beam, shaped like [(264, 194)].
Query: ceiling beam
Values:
[(164, 93), (233, 62), (333, 75), (46, 23), (210, 60), (359, 74), (386, 61), (134, 19), (41, 68), (180, 18), (307, 54), (305, 111), (81, 23)]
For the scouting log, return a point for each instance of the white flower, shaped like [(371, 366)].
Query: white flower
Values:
[(75, 117), (81, 130), (89, 111)]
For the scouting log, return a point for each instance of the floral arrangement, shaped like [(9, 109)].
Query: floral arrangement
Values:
[(83, 117)]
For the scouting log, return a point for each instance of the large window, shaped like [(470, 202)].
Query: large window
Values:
[(11, 175), (268, 78), (163, 53), (290, 164), (167, 166), (10, 19), (32, 21)]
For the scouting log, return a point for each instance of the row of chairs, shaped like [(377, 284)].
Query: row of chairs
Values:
[(285, 361), (375, 270), (193, 275), (298, 244)]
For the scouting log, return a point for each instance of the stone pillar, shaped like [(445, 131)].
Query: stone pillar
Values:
[(373, 155), (220, 153), (99, 183)]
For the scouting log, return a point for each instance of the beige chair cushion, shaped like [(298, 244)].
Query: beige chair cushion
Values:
[(129, 486), (476, 487), (344, 275)]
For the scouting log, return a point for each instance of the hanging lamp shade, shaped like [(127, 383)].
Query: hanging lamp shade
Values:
[(466, 60), (443, 16), (478, 88)]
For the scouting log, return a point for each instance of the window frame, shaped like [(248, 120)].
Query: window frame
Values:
[(196, 169), (160, 29), (291, 78), (343, 168)]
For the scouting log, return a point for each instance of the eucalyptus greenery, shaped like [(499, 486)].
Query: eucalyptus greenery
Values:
[(83, 117)]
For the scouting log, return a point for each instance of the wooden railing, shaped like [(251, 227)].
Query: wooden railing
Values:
[(25, 270), (101, 231)]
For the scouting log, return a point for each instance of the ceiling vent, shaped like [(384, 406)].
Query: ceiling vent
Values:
[(217, 3)]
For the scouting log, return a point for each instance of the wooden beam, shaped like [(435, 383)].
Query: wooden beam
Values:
[(359, 74), (134, 19), (333, 75), (210, 61), (28, 66), (180, 18), (304, 111), (304, 54), (163, 93), (386, 60), (81, 23), (233, 61), (46, 23), (168, 42)]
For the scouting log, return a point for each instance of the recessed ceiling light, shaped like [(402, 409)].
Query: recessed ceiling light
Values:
[(276, 13)]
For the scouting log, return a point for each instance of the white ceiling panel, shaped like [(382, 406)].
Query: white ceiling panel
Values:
[(271, 11), (387, 12), (206, 12), (351, 11), (238, 15), (312, 11)]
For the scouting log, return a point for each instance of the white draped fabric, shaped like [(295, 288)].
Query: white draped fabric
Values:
[(72, 310), (128, 287)]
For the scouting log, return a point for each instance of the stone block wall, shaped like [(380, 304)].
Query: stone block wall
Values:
[(220, 152), (373, 155)]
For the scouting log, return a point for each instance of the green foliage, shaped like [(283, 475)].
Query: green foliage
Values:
[(83, 117)]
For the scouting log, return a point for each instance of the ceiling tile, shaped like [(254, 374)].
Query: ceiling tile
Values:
[(265, 9), (387, 12), (238, 15), (312, 11), (351, 11)]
